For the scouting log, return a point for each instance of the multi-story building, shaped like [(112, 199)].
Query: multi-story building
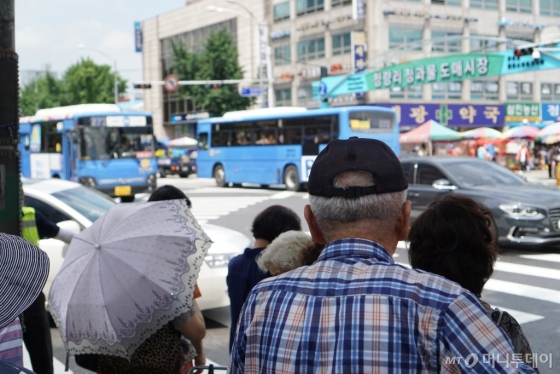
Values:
[(308, 34)]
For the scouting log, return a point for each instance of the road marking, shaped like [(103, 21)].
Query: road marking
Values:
[(521, 317), (206, 208), (224, 190), (523, 290), (543, 257), (534, 271), (305, 197), (282, 195)]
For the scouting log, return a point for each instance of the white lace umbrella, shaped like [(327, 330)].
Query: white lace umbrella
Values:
[(127, 275)]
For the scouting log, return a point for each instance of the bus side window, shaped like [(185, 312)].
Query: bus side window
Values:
[(203, 140)]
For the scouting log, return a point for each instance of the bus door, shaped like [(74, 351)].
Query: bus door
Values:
[(45, 146), (70, 150), (24, 140)]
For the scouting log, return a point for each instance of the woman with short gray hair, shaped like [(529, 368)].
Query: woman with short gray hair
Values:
[(289, 251)]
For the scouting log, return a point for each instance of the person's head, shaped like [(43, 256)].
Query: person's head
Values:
[(168, 192), (288, 251), (357, 189), (454, 238), (273, 221)]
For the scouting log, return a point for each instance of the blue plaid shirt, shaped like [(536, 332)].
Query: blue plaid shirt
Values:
[(356, 311)]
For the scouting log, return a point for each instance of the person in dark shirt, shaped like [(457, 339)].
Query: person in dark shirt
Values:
[(243, 270)]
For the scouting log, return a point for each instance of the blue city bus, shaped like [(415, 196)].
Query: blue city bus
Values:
[(97, 145), (278, 146)]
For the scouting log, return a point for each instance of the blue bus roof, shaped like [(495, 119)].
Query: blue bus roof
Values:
[(308, 113)]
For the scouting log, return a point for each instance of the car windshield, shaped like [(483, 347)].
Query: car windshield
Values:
[(91, 204), (102, 143), (472, 173)]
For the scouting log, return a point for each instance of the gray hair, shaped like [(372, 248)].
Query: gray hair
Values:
[(284, 253), (383, 208)]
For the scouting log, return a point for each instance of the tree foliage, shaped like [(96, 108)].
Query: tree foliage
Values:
[(218, 61), (83, 83)]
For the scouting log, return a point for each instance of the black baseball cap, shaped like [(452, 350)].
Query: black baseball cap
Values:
[(356, 153)]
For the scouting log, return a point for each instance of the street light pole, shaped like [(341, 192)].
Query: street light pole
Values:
[(116, 78)]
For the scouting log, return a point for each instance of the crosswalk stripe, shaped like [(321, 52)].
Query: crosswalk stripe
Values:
[(282, 195), (221, 190), (523, 290), (534, 271), (521, 317), (209, 208), (552, 257)]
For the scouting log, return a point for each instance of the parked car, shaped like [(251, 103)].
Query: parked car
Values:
[(177, 161), (524, 213), (76, 207)]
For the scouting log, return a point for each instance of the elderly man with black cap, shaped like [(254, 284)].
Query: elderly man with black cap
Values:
[(354, 310)]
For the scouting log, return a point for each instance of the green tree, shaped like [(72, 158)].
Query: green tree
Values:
[(43, 92), (86, 82), (219, 61)]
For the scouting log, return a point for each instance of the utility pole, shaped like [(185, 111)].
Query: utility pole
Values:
[(10, 208)]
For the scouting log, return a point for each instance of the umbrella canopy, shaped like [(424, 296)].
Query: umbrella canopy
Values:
[(24, 269), (429, 131), (552, 139), (183, 142), (522, 132), (483, 133), (127, 275), (549, 130)]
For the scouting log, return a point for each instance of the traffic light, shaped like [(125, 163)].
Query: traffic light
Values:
[(213, 86), (142, 86), (523, 52)]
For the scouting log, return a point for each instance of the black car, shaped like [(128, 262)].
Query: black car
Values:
[(524, 213), (176, 166)]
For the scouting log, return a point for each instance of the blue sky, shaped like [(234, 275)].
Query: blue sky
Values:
[(49, 31)]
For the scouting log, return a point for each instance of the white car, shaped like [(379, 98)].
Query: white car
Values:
[(75, 207)]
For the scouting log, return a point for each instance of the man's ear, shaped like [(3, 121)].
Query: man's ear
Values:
[(316, 234), (403, 222)]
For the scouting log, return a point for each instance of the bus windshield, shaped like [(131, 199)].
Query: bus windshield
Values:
[(102, 143), (371, 121)]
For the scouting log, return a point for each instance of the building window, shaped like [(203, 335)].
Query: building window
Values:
[(282, 55), (337, 3), (283, 97), (484, 90), (519, 91), (484, 4), (550, 92), (447, 90), (521, 6), (341, 44), (402, 37), (311, 49), (447, 2), (408, 92), (446, 44), (550, 8), (305, 97), (309, 6), (281, 11)]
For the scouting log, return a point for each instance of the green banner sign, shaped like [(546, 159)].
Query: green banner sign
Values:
[(436, 69), (517, 112)]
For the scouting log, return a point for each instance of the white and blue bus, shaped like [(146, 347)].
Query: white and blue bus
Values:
[(275, 147), (97, 145)]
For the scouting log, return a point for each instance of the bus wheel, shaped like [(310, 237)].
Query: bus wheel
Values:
[(220, 176), (291, 179)]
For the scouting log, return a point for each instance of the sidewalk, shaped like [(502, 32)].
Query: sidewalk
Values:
[(539, 176)]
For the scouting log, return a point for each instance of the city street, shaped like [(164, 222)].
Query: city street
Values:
[(526, 282)]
